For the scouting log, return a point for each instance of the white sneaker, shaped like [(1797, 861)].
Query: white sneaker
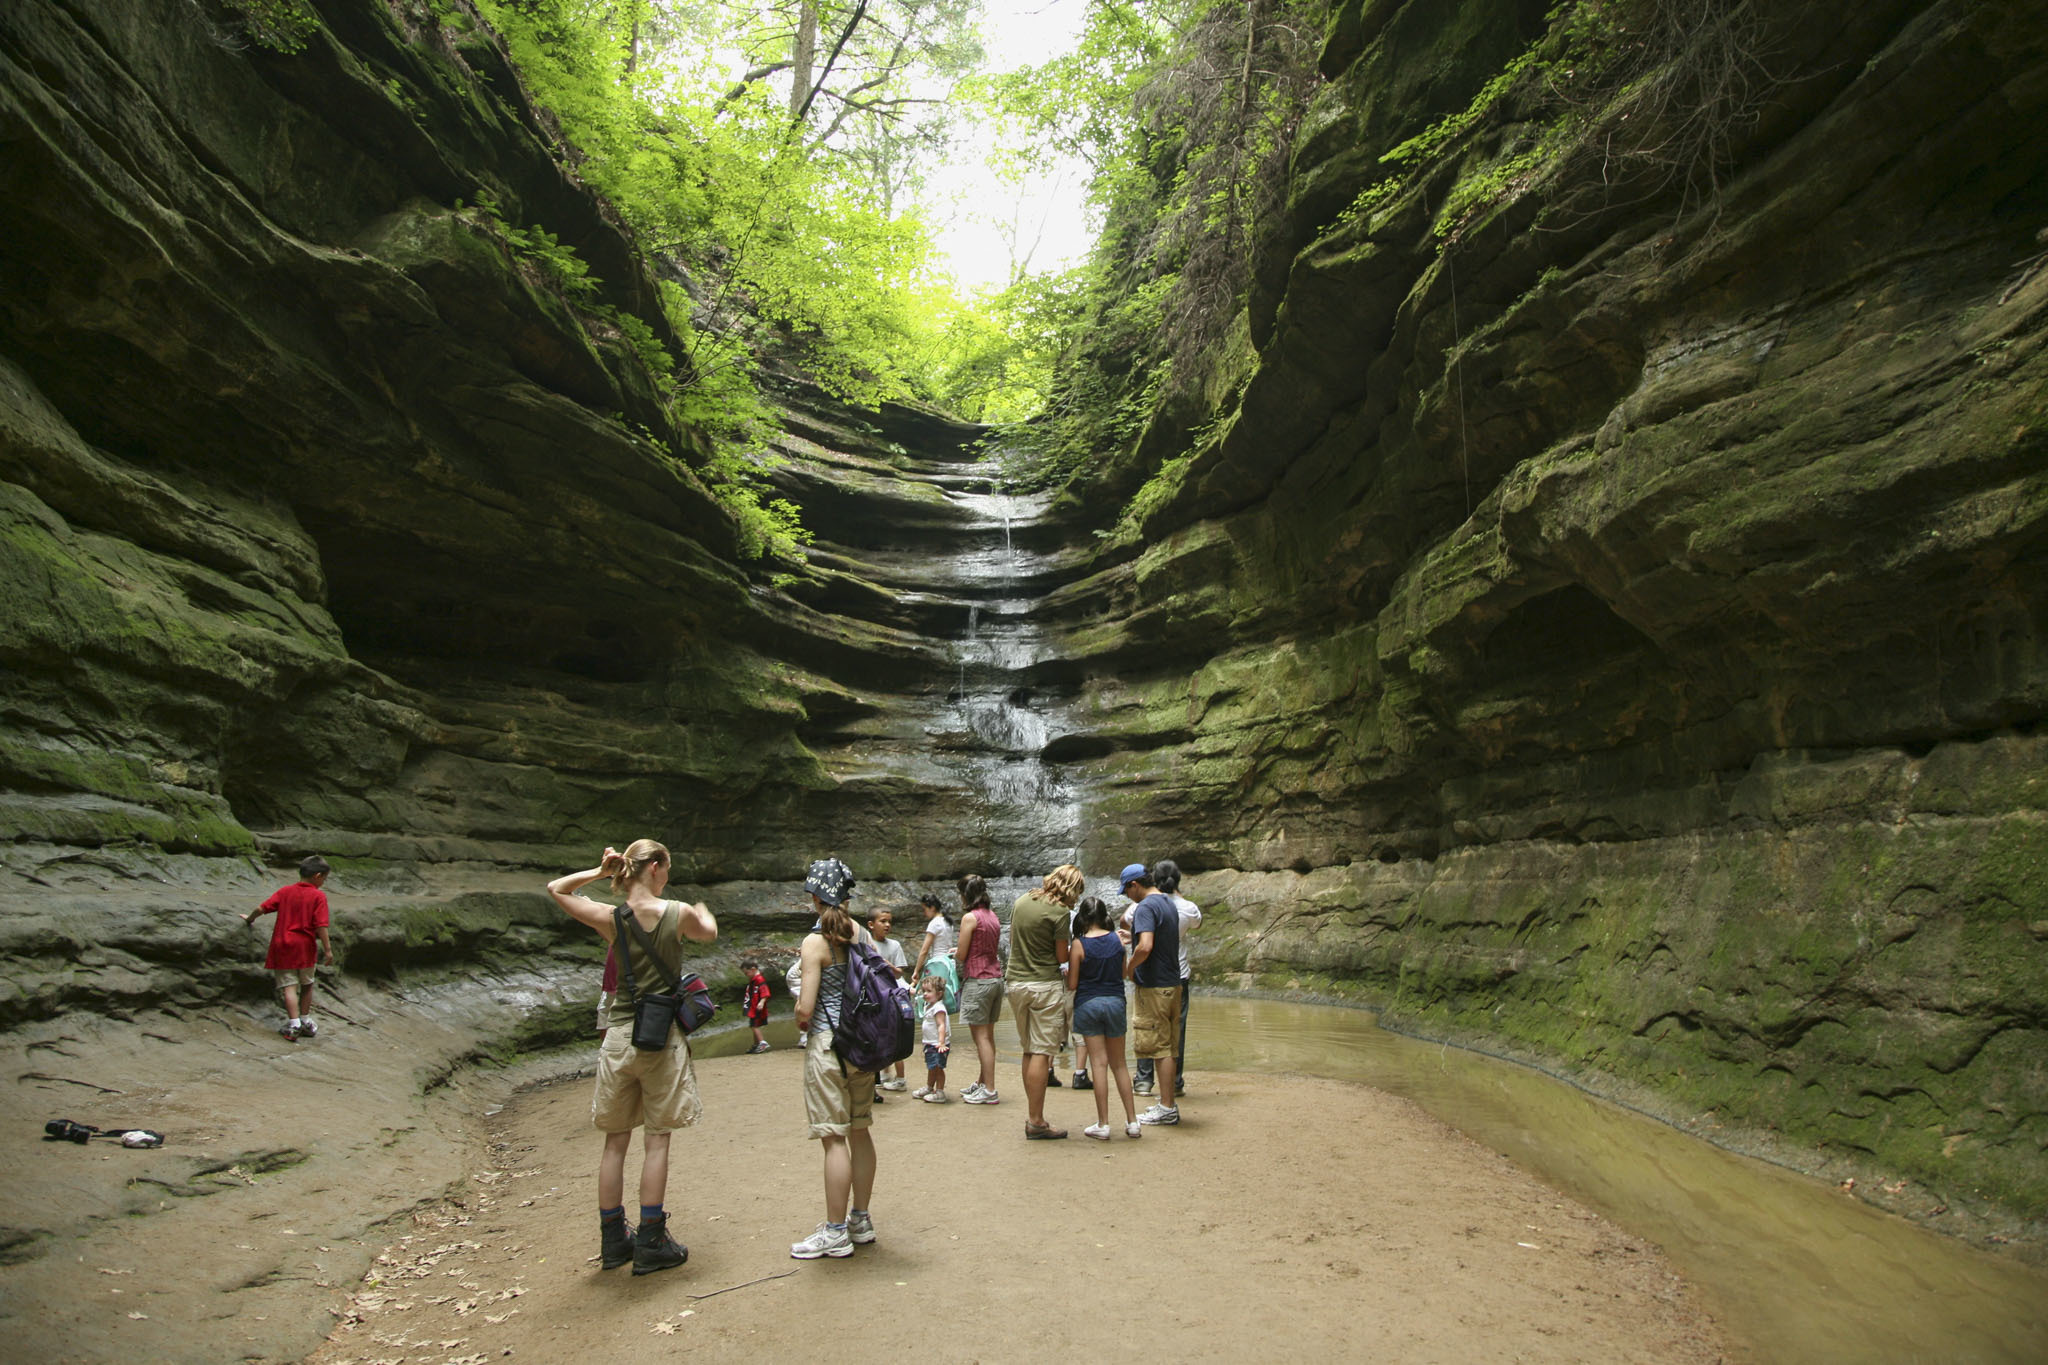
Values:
[(973, 1089), (1159, 1114), (894, 1083), (308, 1029), (981, 1096), (937, 1097), (920, 1092), (826, 1241), (1098, 1131), (860, 1227), (1133, 1130)]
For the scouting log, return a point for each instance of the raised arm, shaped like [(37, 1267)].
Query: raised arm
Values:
[(581, 908), (696, 923)]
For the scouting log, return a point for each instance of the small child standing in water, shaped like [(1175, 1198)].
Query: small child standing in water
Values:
[(756, 1004), (938, 1041), (297, 941)]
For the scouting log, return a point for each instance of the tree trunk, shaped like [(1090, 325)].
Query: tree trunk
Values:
[(803, 53)]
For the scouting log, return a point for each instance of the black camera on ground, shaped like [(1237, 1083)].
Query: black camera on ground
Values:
[(64, 1130)]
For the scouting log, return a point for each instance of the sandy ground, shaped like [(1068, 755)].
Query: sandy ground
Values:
[(1283, 1214)]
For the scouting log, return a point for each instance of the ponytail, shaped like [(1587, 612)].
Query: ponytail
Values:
[(835, 924), (632, 865)]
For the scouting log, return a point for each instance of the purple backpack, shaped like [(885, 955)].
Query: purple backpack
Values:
[(877, 1026)]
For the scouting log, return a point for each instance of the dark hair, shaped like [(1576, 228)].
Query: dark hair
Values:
[(1091, 913), (973, 892), (749, 965), (313, 866), (835, 924), (928, 901), (1166, 875)]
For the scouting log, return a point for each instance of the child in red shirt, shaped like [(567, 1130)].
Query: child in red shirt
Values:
[(301, 928), (757, 1005)]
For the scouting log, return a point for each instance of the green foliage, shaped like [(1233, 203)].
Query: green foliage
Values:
[(280, 25)]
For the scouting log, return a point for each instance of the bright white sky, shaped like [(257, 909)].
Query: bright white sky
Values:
[(967, 200)]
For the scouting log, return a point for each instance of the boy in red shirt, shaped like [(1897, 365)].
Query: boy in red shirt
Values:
[(757, 1004), (301, 927)]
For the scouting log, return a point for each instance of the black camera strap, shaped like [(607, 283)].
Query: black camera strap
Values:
[(627, 928)]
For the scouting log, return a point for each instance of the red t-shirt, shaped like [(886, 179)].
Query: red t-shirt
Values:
[(757, 996), (301, 913)]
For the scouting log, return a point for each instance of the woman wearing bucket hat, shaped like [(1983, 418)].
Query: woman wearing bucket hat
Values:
[(838, 1102)]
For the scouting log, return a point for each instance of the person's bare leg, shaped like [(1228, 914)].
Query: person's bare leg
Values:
[(653, 1169), (985, 1050), (1098, 1067), (1163, 1068), (862, 1141), (305, 1001), (1036, 1066), (611, 1170), (838, 1178), (1122, 1072), (291, 1000)]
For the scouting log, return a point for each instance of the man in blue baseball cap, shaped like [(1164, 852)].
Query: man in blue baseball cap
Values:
[(1154, 969)]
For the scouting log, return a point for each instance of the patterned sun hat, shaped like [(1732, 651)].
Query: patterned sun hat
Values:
[(830, 880)]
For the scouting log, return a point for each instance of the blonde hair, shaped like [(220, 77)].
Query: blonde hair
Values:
[(1063, 884), (632, 865)]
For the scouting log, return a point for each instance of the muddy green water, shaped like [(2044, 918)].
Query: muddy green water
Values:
[(1797, 1271)]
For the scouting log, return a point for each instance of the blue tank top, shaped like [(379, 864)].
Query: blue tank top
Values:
[(1102, 968)]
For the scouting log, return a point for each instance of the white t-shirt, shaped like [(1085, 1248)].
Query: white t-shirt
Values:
[(892, 953), (934, 1014), (947, 936)]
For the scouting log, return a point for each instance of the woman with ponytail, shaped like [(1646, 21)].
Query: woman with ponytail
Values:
[(838, 1101), (653, 1091)]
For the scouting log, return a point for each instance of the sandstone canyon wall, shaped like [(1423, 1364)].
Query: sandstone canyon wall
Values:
[(1609, 630)]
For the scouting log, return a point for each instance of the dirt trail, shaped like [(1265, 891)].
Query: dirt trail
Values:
[(1282, 1214)]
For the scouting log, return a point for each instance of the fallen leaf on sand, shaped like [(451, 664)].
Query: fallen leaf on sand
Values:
[(666, 1329), (140, 1317), (105, 1271)]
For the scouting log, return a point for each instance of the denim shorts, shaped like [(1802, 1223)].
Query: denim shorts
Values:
[(1100, 1017), (934, 1060)]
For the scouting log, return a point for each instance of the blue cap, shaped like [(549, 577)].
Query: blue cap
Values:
[(1134, 873)]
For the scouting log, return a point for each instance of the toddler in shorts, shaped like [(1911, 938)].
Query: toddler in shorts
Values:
[(938, 1041)]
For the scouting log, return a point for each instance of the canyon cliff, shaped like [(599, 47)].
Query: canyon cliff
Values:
[(1608, 628)]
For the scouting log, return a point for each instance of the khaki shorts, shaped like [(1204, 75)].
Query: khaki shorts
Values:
[(1158, 1021), (981, 1000), (1040, 1009), (656, 1091), (291, 976), (835, 1104)]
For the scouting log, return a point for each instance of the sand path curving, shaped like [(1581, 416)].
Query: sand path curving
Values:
[(1283, 1214)]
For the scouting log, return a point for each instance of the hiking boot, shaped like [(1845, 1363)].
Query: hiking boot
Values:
[(617, 1247), (654, 1249), (1082, 1081), (860, 1227), (826, 1241), (1159, 1114), (1052, 1078)]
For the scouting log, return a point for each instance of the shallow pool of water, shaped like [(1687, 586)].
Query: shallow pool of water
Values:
[(1796, 1270)]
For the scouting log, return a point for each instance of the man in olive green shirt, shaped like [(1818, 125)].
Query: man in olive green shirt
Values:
[(1040, 929)]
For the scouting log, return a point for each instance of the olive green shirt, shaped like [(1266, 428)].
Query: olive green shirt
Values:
[(648, 978), (1038, 925)]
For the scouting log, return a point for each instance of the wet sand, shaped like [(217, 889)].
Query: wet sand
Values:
[(1282, 1213)]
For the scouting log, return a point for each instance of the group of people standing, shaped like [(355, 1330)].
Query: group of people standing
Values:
[(1070, 958)]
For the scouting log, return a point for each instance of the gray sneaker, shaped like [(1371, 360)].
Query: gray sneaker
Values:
[(1143, 1087), (981, 1096), (860, 1228), (1159, 1114), (826, 1241)]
